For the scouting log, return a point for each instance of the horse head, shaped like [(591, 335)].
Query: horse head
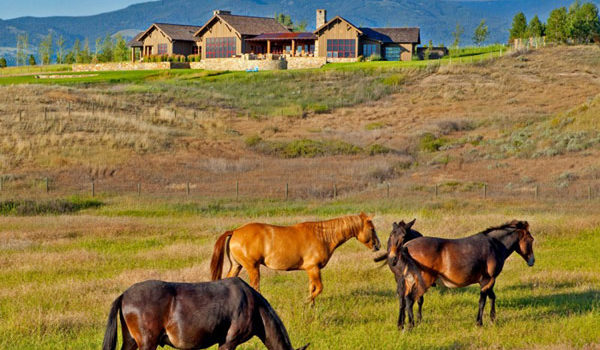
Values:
[(525, 246), (368, 235), (401, 233)]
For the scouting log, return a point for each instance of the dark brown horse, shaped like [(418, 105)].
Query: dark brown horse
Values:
[(459, 263), (194, 316)]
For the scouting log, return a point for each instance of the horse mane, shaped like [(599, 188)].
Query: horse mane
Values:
[(512, 224), (335, 229)]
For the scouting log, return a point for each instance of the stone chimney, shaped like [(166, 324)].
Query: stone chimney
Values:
[(221, 12), (321, 17)]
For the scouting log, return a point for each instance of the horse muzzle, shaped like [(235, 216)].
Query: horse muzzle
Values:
[(531, 260)]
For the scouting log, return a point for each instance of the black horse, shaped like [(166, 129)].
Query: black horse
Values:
[(194, 316), (458, 263)]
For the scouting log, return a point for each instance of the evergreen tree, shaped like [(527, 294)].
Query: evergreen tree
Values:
[(458, 32), (85, 55), (557, 28), (46, 50), (519, 27), (481, 33), (121, 51), (71, 56), (32, 61), (2, 62), (106, 49), (536, 28), (60, 50)]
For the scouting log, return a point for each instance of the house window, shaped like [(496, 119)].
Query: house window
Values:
[(162, 49), (341, 48), (220, 47), (195, 50), (370, 50)]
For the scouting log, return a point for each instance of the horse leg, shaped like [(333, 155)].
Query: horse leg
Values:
[(492, 297), (315, 286), (482, 296), (420, 310), (402, 311), (228, 346), (254, 274), (410, 301), (234, 270)]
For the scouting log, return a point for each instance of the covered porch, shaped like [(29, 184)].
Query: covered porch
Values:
[(292, 44)]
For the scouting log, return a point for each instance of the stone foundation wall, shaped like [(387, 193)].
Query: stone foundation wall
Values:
[(116, 66), (305, 62), (341, 59), (238, 64)]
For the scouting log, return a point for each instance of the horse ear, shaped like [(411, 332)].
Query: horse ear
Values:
[(522, 225), (395, 225), (410, 224), (362, 215)]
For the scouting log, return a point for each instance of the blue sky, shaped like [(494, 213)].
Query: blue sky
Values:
[(43, 8)]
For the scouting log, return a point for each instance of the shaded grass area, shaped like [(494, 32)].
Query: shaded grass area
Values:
[(25, 207), (57, 286)]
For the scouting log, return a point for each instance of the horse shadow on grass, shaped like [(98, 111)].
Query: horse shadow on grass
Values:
[(559, 304)]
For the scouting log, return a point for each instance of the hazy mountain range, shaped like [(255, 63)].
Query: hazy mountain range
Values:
[(437, 19)]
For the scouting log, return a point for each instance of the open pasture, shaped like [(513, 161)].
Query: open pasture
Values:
[(60, 274)]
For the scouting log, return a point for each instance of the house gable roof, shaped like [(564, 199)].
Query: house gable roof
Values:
[(136, 42), (172, 31), (393, 35), (335, 19), (246, 25)]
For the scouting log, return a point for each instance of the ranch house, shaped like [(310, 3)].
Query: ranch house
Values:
[(226, 35)]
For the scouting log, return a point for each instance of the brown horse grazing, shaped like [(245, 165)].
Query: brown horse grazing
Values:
[(305, 246), (461, 262), (194, 316)]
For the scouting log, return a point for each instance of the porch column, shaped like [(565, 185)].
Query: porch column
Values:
[(133, 54), (293, 47), (268, 46)]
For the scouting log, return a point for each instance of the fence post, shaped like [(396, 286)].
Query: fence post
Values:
[(237, 190), (69, 108), (537, 191), (139, 189), (47, 187), (334, 191), (484, 191), (589, 192), (436, 190), (20, 115), (287, 191), (45, 113), (1, 179), (187, 188), (388, 190), (93, 188)]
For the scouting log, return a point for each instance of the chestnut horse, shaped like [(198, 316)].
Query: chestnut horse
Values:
[(194, 316), (306, 246), (460, 262)]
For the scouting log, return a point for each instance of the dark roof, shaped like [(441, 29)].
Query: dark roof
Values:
[(136, 42), (173, 31), (393, 35), (284, 36), (337, 18), (248, 25)]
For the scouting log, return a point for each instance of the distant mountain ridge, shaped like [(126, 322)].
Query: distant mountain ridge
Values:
[(437, 19)]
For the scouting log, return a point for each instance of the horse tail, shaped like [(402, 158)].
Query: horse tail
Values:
[(216, 264), (110, 337)]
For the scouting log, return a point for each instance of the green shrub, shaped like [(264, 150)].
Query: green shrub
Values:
[(253, 140), (54, 206), (378, 149), (430, 143), (374, 126), (394, 79)]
